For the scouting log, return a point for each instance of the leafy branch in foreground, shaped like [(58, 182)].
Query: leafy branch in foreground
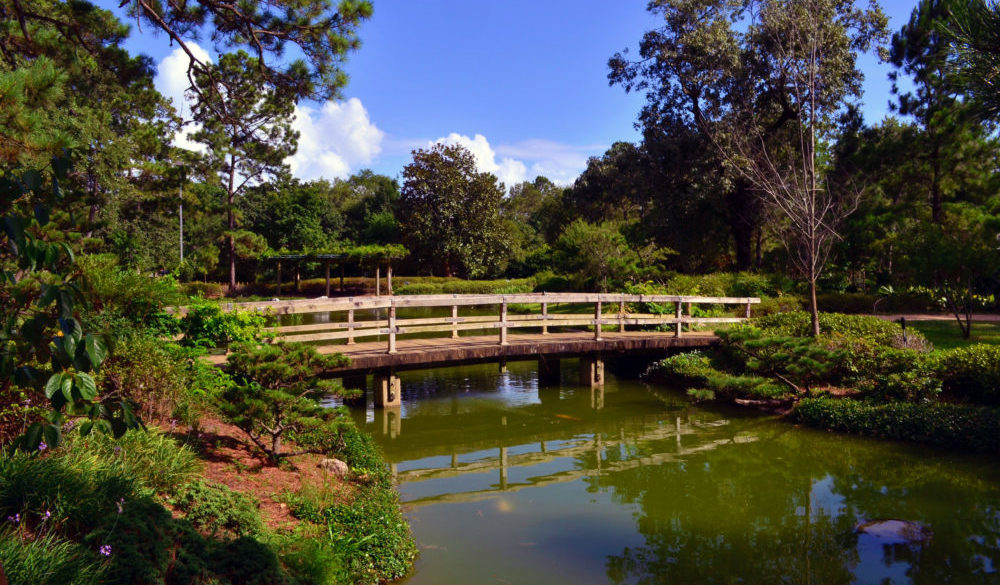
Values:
[(276, 393)]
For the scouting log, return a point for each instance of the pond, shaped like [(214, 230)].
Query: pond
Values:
[(503, 482)]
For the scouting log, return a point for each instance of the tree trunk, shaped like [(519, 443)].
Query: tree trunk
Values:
[(275, 446), (231, 225), (813, 307)]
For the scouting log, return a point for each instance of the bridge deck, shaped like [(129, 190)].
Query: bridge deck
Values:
[(418, 353)]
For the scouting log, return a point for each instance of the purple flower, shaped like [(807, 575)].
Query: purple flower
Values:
[(173, 424), (42, 446), (48, 514), (16, 518), (117, 449), (27, 402), (120, 503), (105, 550)]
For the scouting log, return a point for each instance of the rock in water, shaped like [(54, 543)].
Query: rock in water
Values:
[(335, 466)]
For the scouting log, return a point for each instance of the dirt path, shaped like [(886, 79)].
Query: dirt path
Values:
[(976, 317)]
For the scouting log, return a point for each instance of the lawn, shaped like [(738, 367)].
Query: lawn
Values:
[(947, 335)]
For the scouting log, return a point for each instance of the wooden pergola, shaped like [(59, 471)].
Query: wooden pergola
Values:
[(376, 257)]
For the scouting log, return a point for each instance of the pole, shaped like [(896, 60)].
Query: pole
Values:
[(180, 213)]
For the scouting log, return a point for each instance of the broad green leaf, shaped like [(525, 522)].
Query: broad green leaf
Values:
[(42, 214), (86, 385), (52, 435), (86, 427), (97, 351), (32, 437), (32, 179), (61, 166), (67, 387), (53, 385)]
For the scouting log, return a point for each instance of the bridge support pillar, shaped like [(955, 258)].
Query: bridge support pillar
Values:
[(548, 372), (503, 366), (597, 397), (392, 421), (387, 390), (356, 382), (591, 372)]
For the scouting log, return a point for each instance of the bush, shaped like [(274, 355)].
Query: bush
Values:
[(722, 284), (948, 425), (782, 304), (204, 290), (126, 292), (970, 374), (695, 369), (214, 508), (467, 287), (207, 326), (798, 324)]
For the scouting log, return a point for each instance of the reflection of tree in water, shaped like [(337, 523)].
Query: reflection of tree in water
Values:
[(784, 509)]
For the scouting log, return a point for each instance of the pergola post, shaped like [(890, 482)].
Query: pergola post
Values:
[(279, 278), (378, 278), (388, 278), (326, 266), (298, 276), (341, 276)]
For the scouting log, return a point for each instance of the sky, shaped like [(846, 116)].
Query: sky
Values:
[(521, 83)]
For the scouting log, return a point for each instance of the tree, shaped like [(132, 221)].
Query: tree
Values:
[(767, 98), (451, 213), (275, 396), (599, 256), (254, 137), (974, 31)]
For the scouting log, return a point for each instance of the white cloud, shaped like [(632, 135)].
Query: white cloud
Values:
[(509, 170), (334, 140), (525, 160), (172, 81)]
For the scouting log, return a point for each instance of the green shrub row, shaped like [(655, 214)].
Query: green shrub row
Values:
[(969, 374), (466, 287), (799, 324), (949, 425), (694, 369)]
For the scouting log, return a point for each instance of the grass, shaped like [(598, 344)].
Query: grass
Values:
[(947, 335)]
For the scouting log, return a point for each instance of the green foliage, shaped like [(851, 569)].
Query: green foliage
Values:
[(970, 374), (42, 342), (451, 214), (600, 257), (47, 559), (205, 290), (208, 326), (800, 362), (368, 532), (216, 510), (948, 425), (126, 292), (467, 287), (796, 324), (723, 284), (152, 458), (275, 395), (695, 369)]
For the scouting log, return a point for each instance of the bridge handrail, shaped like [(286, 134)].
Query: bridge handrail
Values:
[(391, 326), (408, 301)]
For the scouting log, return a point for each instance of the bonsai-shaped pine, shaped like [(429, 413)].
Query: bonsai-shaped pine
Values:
[(275, 395), (798, 362)]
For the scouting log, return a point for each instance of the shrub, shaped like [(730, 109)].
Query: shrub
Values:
[(781, 304), (949, 425), (207, 325), (970, 374), (797, 324), (214, 508), (722, 284), (695, 369), (126, 292), (205, 290), (276, 394)]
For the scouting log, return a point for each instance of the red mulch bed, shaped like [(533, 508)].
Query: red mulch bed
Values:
[(230, 459)]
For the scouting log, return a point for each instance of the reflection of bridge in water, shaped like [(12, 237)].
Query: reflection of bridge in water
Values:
[(565, 438)]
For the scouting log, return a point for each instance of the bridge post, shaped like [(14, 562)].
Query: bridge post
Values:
[(548, 371), (356, 382), (597, 397), (350, 327), (621, 316), (591, 371), (454, 321), (747, 315), (597, 321), (503, 468), (690, 312), (545, 318), (387, 390), (677, 315), (503, 323), (392, 327)]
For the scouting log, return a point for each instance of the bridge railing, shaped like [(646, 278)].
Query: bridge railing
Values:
[(609, 309)]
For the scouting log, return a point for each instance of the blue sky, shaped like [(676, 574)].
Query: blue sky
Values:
[(521, 83)]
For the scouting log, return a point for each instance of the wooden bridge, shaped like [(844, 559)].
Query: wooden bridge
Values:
[(496, 327)]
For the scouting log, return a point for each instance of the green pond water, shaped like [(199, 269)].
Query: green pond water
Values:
[(503, 482)]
